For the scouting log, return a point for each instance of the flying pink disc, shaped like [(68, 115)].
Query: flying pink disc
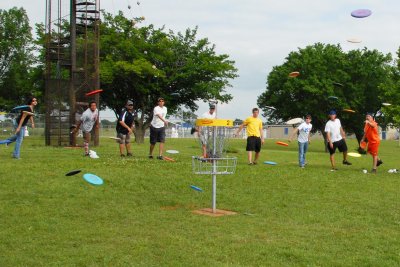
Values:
[(361, 13)]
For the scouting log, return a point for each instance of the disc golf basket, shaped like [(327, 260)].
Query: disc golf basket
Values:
[(214, 134)]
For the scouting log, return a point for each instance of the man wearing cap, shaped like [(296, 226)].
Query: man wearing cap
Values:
[(125, 128), (372, 136), (336, 139), (204, 132), (157, 128)]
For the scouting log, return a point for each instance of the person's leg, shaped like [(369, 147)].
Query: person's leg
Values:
[(152, 141), (374, 161), (304, 153), (257, 149), (18, 142), (160, 152), (250, 156), (256, 157), (301, 154), (332, 158), (343, 148), (86, 141), (204, 148)]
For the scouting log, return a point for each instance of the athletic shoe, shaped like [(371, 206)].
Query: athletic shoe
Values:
[(379, 162), (373, 171), (254, 162), (86, 155), (345, 162), (122, 155), (250, 163), (333, 169), (302, 167), (160, 157), (129, 154), (150, 157)]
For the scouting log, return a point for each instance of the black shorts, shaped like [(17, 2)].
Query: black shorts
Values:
[(341, 145), (157, 135), (253, 144)]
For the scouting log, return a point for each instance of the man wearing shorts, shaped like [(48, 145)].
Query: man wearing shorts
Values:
[(89, 119), (336, 139), (255, 136), (204, 132), (157, 128), (125, 128), (372, 136)]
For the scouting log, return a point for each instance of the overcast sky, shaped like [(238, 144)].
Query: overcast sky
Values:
[(259, 34)]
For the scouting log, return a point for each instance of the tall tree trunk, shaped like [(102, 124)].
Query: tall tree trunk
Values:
[(139, 134)]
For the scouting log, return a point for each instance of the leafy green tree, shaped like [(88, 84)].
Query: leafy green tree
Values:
[(355, 79), (144, 63), (16, 57)]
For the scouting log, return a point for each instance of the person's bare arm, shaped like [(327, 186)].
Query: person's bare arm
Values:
[(295, 131)]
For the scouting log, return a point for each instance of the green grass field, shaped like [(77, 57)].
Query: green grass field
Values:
[(142, 215)]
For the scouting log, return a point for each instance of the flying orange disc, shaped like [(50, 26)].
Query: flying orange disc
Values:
[(282, 143), (349, 110), (94, 92), (294, 74)]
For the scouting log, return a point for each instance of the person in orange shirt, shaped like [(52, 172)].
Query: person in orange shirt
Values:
[(372, 136)]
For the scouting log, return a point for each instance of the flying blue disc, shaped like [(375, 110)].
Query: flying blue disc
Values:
[(270, 162), (19, 108), (196, 188), (93, 179), (361, 13)]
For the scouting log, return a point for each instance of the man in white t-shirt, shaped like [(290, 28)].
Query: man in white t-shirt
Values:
[(157, 128), (205, 132), (89, 120), (304, 130), (336, 139)]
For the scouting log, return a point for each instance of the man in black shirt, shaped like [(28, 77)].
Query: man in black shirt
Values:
[(125, 128)]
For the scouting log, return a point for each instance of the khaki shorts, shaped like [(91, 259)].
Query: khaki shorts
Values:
[(124, 138)]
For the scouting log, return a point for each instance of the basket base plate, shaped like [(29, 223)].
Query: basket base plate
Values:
[(218, 213)]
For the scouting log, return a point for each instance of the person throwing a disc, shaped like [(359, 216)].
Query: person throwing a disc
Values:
[(157, 128), (372, 136), (125, 127), (26, 114), (255, 136), (89, 119), (303, 139), (336, 139)]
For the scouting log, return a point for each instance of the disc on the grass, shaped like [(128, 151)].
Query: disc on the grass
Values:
[(168, 159), (72, 172), (386, 104), (363, 144), (337, 84), (270, 162), (332, 97), (354, 154), (19, 108), (172, 151), (354, 40), (349, 110), (94, 92), (295, 121), (93, 179), (361, 13), (282, 143), (196, 188), (294, 74), (115, 138)]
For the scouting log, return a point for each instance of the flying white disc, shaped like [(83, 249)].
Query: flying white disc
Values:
[(171, 151), (361, 13), (295, 121), (115, 138), (386, 104), (354, 40)]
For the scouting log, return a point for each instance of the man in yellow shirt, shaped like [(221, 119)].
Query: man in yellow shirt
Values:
[(255, 136)]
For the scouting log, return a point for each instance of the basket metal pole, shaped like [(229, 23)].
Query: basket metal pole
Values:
[(214, 171)]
